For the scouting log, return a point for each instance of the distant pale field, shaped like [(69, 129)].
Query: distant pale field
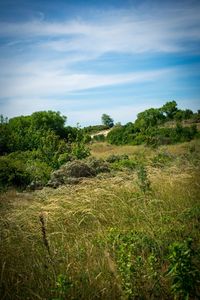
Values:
[(103, 149)]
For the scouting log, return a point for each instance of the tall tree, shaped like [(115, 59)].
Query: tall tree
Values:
[(107, 120), (169, 109), (149, 118)]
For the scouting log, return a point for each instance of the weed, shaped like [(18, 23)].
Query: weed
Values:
[(143, 181), (136, 260), (182, 270), (44, 233), (63, 286), (162, 159)]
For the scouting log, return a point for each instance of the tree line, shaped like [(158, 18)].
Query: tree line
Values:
[(152, 127), (31, 147)]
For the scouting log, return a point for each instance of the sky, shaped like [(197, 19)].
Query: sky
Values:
[(86, 57)]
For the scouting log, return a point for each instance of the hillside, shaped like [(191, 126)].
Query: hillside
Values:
[(125, 234)]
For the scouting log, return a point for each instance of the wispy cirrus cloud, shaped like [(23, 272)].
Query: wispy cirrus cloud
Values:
[(41, 58), (128, 31), (58, 83)]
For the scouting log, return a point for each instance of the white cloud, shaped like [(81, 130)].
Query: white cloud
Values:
[(39, 58), (43, 83), (133, 31)]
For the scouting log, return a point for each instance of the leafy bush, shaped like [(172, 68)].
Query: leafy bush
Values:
[(121, 135), (136, 258), (13, 173), (39, 171), (94, 128), (162, 159), (99, 138), (147, 127), (182, 270), (143, 180), (163, 136), (124, 164), (80, 150)]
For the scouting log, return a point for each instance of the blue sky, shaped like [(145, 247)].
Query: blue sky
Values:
[(85, 58)]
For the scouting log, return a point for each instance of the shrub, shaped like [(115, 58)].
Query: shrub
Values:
[(80, 151), (135, 255), (99, 138), (13, 173), (121, 135), (39, 171), (161, 159), (124, 163), (182, 270), (99, 165), (69, 172), (78, 169), (94, 129), (115, 158), (143, 180)]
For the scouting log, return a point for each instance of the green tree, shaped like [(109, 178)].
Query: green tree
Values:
[(49, 120), (107, 120), (169, 109), (4, 135), (149, 118)]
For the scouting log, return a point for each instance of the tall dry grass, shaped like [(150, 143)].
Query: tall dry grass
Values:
[(65, 232)]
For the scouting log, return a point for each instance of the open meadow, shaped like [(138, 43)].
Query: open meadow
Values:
[(131, 233)]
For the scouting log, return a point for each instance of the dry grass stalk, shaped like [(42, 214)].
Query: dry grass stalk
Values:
[(44, 233)]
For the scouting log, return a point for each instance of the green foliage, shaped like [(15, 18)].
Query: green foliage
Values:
[(39, 171), (79, 148), (136, 258), (27, 132), (164, 136), (13, 173), (99, 138), (4, 138), (162, 159), (94, 129), (63, 286), (148, 129), (143, 180), (116, 158), (46, 141), (121, 135), (181, 115), (169, 109), (149, 118), (49, 120), (107, 120), (121, 162), (182, 269), (22, 168)]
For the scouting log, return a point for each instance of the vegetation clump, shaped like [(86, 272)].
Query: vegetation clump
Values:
[(135, 235), (155, 127), (98, 165), (70, 172)]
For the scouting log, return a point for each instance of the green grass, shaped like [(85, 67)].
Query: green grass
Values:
[(107, 238)]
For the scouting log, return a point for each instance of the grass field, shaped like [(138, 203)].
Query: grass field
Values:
[(107, 238)]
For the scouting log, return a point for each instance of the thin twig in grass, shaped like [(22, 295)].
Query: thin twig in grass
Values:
[(44, 233)]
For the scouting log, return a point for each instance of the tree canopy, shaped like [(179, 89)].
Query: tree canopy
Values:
[(107, 120)]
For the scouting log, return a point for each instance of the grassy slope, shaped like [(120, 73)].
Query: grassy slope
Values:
[(78, 220)]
